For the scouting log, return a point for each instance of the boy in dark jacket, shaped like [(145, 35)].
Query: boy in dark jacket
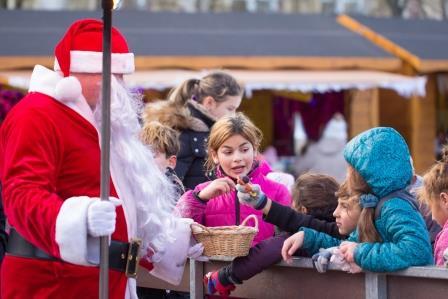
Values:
[(164, 143)]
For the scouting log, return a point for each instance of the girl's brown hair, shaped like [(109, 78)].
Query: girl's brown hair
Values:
[(435, 180), (367, 231), (217, 85), (161, 138), (316, 193), (227, 127)]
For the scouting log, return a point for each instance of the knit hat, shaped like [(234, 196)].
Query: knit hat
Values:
[(80, 51)]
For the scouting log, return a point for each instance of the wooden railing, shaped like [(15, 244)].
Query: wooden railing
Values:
[(300, 280)]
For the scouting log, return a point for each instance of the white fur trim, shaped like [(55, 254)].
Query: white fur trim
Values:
[(131, 289), (68, 89), (43, 80), (92, 62), (71, 230), (285, 179)]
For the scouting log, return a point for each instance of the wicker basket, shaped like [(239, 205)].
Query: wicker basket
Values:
[(226, 240)]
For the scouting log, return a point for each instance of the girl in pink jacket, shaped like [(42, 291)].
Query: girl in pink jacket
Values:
[(232, 149), (435, 194)]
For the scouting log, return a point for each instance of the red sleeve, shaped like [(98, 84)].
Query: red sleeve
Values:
[(31, 152)]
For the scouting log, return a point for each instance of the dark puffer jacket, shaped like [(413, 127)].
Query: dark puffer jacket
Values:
[(194, 124)]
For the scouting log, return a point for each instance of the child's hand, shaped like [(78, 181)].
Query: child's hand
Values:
[(291, 245), (217, 187), (347, 250), (254, 198), (321, 260)]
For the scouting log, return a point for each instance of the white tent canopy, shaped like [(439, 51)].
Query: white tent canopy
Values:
[(303, 81)]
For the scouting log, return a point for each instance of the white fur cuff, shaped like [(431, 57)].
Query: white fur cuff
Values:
[(71, 230)]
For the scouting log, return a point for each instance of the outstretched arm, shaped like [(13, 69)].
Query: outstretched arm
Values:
[(289, 220)]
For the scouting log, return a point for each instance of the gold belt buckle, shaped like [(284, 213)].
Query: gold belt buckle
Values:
[(132, 258)]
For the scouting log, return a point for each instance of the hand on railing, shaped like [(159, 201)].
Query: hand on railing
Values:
[(347, 249), (195, 253), (321, 260), (291, 245), (333, 255)]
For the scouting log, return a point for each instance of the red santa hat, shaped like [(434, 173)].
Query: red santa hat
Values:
[(80, 51)]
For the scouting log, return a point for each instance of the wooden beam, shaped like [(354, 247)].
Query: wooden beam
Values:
[(433, 66), (379, 40), (364, 110), (267, 62), (236, 62), (24, 62), (423, 127)]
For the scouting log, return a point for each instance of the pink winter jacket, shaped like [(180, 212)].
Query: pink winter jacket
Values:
[(441, 246), (223, 210)]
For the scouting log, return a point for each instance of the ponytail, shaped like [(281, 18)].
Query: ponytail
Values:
[(218, 85), (181, 94)]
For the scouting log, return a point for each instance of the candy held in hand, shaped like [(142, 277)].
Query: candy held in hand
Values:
[(244, 181)]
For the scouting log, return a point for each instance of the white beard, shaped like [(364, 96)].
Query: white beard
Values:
[(148, 197)]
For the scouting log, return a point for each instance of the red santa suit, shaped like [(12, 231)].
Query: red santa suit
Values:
[(50, 169), (50, 173)]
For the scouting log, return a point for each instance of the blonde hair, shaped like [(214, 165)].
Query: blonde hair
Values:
[(435, 180), (356, 185), (227, 127), (161, 138), (217, 85)]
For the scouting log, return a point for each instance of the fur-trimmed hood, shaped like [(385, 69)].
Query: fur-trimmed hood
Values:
[(178, 117)]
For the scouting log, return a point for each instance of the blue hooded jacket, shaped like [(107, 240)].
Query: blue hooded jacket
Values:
[(381, 156)]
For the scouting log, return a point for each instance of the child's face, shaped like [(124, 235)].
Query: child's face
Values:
[(235, 156), (163, 161), (226, 107), (439, 209), (347, 216)]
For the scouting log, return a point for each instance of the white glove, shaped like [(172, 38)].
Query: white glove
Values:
[(195, 252), (101, 217), (339, 260), (445, 258), (256, 198)]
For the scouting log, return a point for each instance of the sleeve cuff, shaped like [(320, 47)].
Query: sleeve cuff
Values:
[(357, 253), (308, 238), (71, 231), (195, 195)]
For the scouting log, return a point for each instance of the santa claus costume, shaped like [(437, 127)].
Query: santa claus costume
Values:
[(50, 172)]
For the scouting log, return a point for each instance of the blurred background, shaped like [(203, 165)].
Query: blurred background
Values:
[(315, 72), (432, 9)]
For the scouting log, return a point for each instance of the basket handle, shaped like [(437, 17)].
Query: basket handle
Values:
[(251, 216), (200, 225)]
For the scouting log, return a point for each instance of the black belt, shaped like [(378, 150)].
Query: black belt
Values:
[(122, 256)]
